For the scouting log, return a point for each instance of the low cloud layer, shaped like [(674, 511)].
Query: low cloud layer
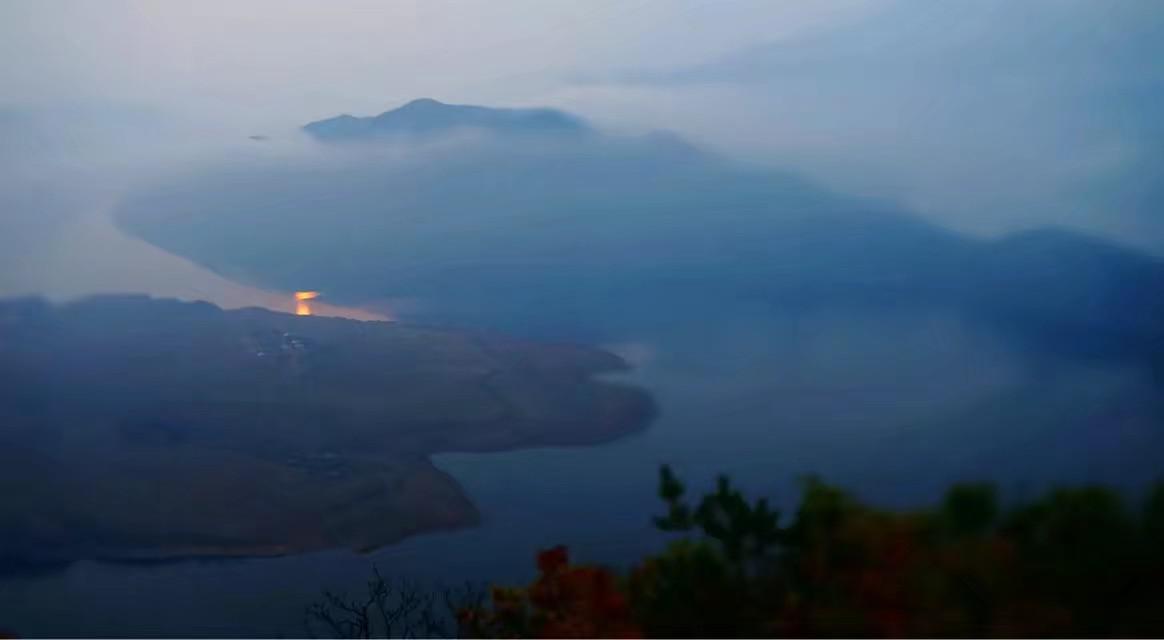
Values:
[(988, 116)]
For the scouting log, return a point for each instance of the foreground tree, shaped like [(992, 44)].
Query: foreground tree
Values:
[(1076, 562), (393, 609)]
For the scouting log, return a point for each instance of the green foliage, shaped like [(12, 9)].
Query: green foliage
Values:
[(672, 592), (1085, 551), (745, 533), (970, 509), (1154, 514), (1074, 562)]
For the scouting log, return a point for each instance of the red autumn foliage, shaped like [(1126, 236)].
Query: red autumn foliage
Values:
[(565, 601), (1076, 562)]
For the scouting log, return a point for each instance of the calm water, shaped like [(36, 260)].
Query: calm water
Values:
[(894, 404)]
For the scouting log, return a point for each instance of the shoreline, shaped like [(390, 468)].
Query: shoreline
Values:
[(320, 431)]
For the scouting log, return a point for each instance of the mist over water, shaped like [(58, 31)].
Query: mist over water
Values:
[(894, 402), (58, 238), (767, 397), (860, 313)]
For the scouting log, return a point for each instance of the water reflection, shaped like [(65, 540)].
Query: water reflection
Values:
[(893, 404), (90, 255), (897, 404)]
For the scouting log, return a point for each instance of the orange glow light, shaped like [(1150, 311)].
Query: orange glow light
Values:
[(302, 307)]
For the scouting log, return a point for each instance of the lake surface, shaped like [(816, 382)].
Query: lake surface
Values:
[(892, 403)]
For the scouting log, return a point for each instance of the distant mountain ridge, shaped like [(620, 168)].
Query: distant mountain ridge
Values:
[(427, 116), (599, 236)]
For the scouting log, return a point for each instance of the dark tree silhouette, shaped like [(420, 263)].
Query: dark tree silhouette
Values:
[(1075, 562), (398, 608)]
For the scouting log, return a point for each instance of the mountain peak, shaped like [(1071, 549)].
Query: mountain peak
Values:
[(423, 102), (426, 116)]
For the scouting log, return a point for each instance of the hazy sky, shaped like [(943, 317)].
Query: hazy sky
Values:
[(984, 114), (292, 59)]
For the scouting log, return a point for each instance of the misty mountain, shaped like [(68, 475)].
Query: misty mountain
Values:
[(601, 235), (426, 116)]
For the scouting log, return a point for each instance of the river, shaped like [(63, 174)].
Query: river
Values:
[(894, 404)]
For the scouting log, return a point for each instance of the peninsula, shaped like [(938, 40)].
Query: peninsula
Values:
[(140, 428)]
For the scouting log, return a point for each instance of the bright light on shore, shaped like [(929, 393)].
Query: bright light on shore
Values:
[(302, 307)]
